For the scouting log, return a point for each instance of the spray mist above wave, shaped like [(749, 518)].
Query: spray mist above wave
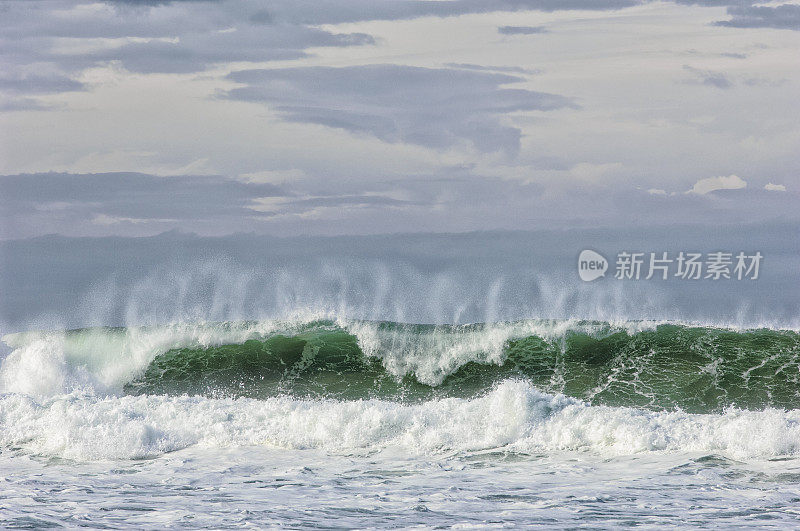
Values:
[(224, 289), (658, 366)]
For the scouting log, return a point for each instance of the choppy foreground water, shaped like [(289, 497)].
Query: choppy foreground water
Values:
[(262, 486)]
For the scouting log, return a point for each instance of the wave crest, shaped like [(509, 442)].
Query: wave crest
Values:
[(657, 366)]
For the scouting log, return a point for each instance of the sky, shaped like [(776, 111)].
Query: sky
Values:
[(133, 118)]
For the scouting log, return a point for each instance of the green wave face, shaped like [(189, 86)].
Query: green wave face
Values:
[(696, 369), (327, 363)]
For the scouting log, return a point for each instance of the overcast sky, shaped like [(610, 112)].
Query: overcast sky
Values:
[(367, 116)]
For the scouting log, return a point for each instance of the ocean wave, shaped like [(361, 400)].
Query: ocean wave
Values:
[(653, 365), (514, 416)]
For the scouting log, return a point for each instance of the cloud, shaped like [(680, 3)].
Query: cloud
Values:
[(62, 199), (486, 68), (709, 77), (139, 204), (46, 46), (380, 141), (204, 33), (195, 52), (39, 84), (711, 184), (786, 16), (187, 36), (775, 187), (16, 90), (271, 176), (521, 30), (589, 172), (103, 219), (317, 204), (151, 2), (338, 12), (8, 104), (432, 107)]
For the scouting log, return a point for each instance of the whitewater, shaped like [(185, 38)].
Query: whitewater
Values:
[(353, 423)]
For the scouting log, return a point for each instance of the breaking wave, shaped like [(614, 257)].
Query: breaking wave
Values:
[(526, 386)]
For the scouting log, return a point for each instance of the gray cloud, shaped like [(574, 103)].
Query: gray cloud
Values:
[(709, 77), (337, 12), (484, 68), (52, 201), (196, 52), (734, 55), (202, 33), (154, 2), (786, 16), (38, 84), (191, 35), (342, 200), (44, 52), (426, 106), (323, 206), (711, 3), (457, 200), (150, 37), (521, 30), (22, 104)]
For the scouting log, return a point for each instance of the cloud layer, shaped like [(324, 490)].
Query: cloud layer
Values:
[(134, 204), (402, 115), (712, 184), (430, 107), (151, 36), (786, 16)]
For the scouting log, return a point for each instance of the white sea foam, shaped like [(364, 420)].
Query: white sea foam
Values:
[(102, 360), (514, 416)]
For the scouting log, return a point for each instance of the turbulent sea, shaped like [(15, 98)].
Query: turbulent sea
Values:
[(335, 422)]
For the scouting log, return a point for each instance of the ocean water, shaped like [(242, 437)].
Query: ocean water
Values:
[(322, 422), (183, 381)]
